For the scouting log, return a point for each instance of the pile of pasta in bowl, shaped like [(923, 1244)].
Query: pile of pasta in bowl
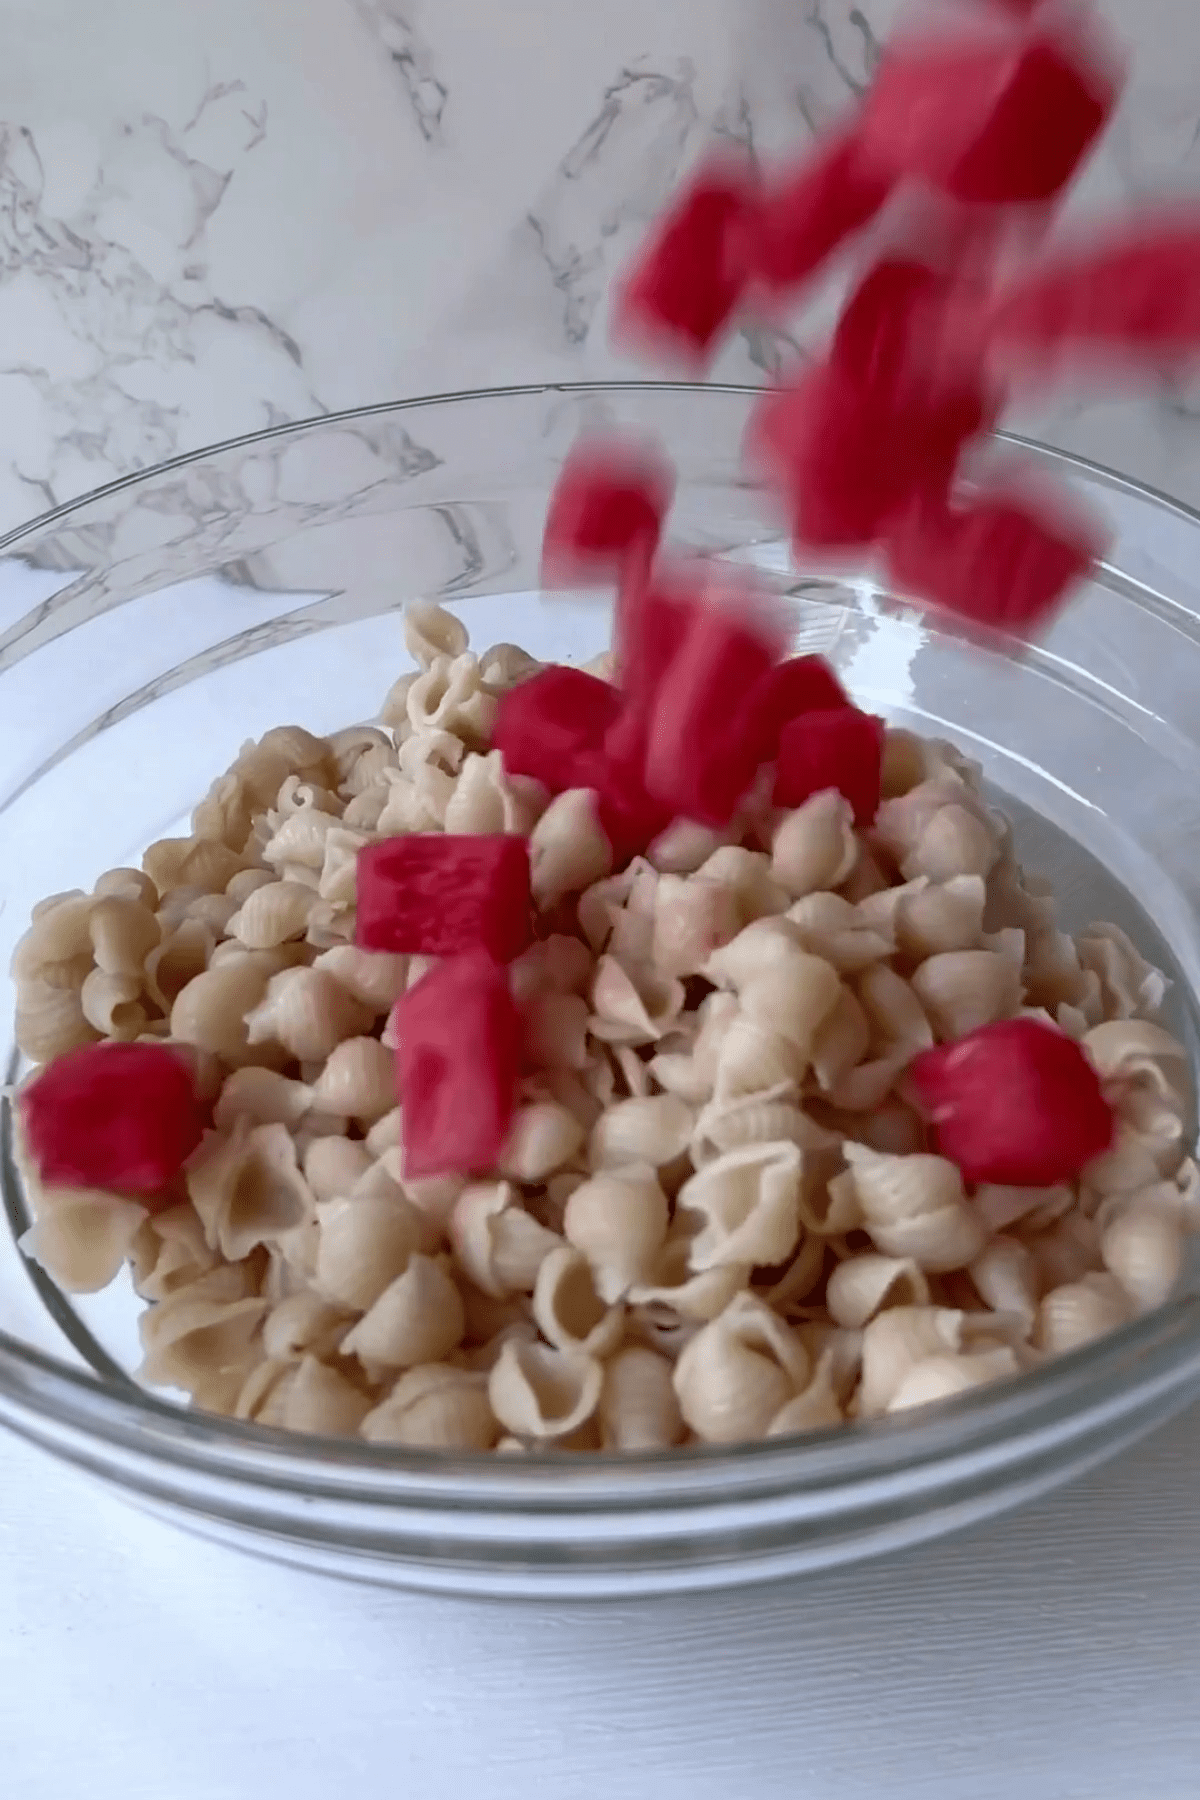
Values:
[(561, 1062)]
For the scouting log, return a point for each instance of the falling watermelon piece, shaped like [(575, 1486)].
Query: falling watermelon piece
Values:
[(997, 116), (438, 894), (997, 560), (457, 1035), (610, 497), (840, 749), (120, 1117), (1017, 1104), (552, 727), (1129, 294), (691, 273), (809, 211)]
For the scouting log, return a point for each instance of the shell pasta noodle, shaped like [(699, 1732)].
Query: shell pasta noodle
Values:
[(716, 1208)]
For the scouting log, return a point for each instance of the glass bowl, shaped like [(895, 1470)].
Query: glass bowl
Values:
[(148, 630)]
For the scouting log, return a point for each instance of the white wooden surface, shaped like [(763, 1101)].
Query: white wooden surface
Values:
[(1054, 1655)]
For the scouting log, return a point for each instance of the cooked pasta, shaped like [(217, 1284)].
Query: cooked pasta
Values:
[(717, 1214)]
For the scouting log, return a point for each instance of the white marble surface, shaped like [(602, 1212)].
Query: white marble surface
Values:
[(220, 213)]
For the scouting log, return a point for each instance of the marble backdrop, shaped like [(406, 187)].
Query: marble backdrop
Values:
[(216, 214)]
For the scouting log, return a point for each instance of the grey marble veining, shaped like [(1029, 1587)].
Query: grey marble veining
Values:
[(243, 214)]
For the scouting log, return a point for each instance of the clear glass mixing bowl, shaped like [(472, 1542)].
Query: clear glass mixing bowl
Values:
[(149, 630)]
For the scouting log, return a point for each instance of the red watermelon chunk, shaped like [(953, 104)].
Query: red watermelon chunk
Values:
[(692, 271), (457, 1034), (811, 209), (552, 726), (1016, 1103), (803, 684), (841, 749), (703, 746), (842, 466), (609, 497), (997, 560), (1133, 292), (121, 1117), (910, 339), (437, 894), (997, 117)]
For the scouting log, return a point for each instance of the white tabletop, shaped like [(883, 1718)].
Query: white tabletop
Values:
[(1053, 1655)]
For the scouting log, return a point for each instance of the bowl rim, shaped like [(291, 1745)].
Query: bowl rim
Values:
[(1147, 1352)]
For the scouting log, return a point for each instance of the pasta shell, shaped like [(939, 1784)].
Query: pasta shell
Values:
[(831, 928), (537, 1391), (893, 1009), (212, 1010), (814, 848), (556, 1031), (302, 1324), (748, 1202), (748, 873), (816, 1409), (308, 1012), (794, 998), (619, 1221), (654, 1131), (964, 989), (632, 1011), (163, 860), (1079, 1312), (314, 1399), (956, 841), (842, 1041), (504, 666), (60, 933), (169, 1251), (435, 1407), (487, 799), (418, 1318), (50, 1021), (948, 1238), (81, 1236), (261, 1096), (272, 914), (639, 1409), (892, 1128), (941, 1377), (1000, 1207), (756, 950), (430, 631), (905, 761), (684, 847), (692, 919), (130, 885), (123, 933), (371, 977), (112, 1005), (542, 1138), (247, 1188), (691, 1074), (1006, 1278), (738, 1373), (862, 1286), (902, 1187), (895, 1343), (798, 1280), (569, 1312), (1143, 1248), (568, 850), (358, 1081), (496, 1243), (186, 1339), (363, 1244), (334, 1165), (1129, 986), (937, 920), (690, 1295), (771, 1116), (178, 959), (754, 1060), (447, 696)]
